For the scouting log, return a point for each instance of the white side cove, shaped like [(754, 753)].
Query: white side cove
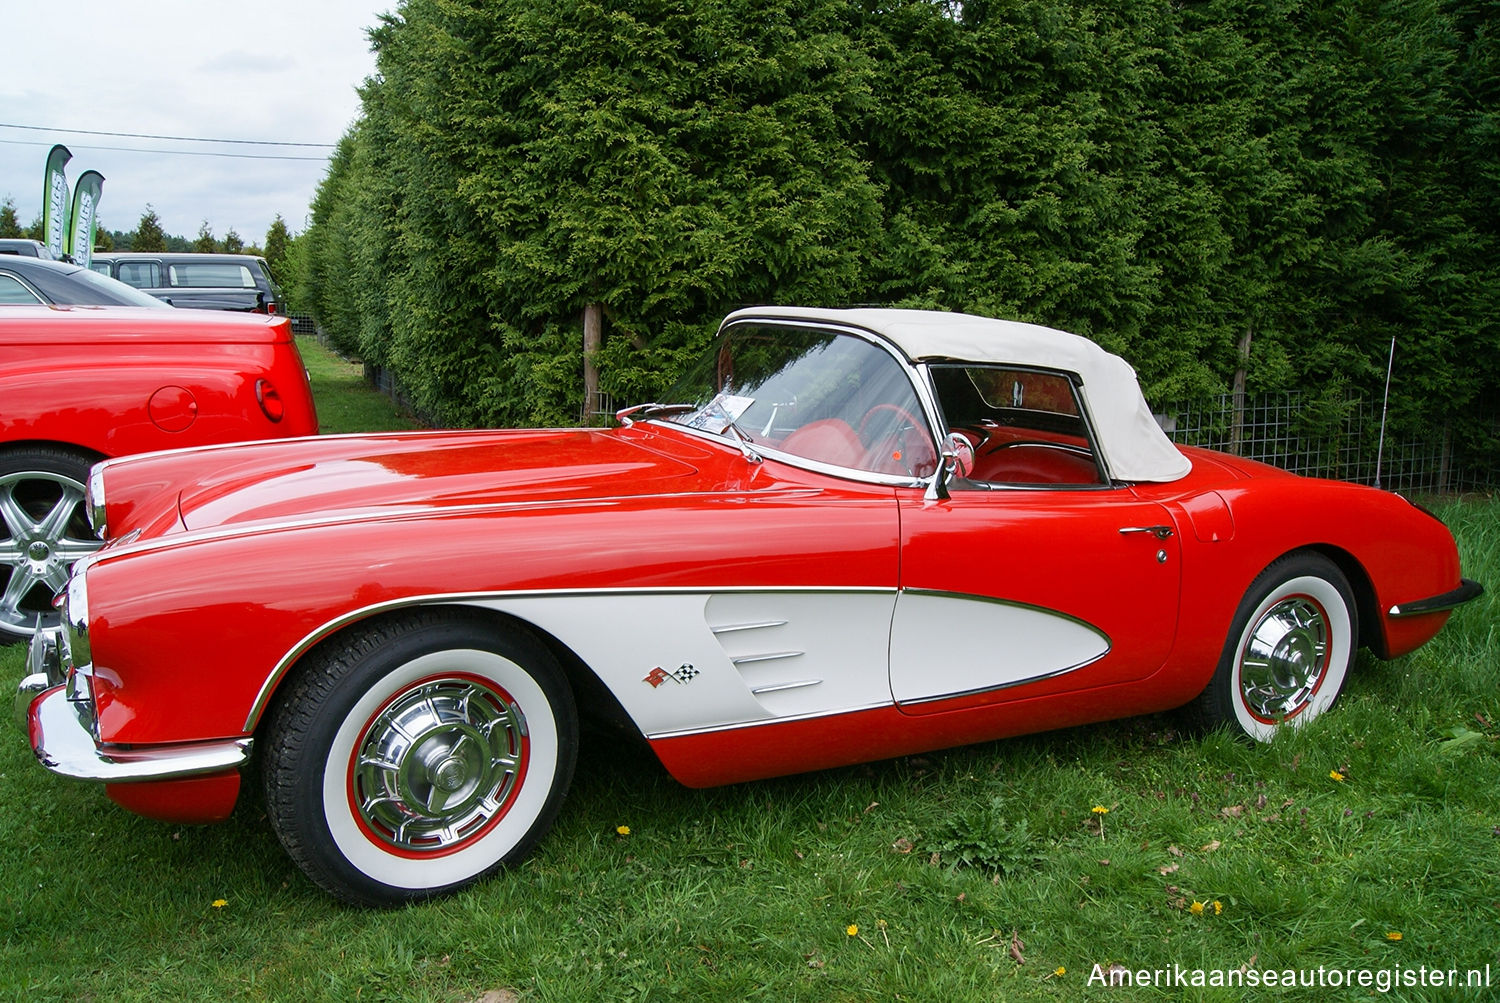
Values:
[(948, 645), (685, 662)]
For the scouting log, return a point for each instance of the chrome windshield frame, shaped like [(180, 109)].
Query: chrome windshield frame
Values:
[(915, 375)]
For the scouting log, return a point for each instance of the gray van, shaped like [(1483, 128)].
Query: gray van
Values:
[(205, 281)]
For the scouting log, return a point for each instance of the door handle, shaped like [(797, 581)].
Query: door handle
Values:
[(1160, 532)]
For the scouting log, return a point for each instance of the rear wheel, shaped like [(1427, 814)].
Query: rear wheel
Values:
[(418, 756), (1288, 652), (44, 528)]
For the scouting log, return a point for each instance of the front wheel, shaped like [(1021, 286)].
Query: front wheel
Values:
[(1288, 652), (418, 756)]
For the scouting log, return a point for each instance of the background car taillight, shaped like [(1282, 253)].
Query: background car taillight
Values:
[(269, 399)]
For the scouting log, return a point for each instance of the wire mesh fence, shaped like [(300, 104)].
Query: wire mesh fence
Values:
[(1339, 438)]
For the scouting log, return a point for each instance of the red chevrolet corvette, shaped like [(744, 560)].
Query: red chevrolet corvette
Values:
[(847, 535)]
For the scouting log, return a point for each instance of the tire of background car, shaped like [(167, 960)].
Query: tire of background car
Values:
[(44, 528), (418, 755), (1288, 652)]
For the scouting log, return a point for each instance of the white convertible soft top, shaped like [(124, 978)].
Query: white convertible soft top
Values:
[(1133, 445)]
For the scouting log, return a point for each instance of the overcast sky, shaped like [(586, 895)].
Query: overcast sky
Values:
[(275, 70)]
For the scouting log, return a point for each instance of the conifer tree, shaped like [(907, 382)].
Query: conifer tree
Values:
[(149, 235)]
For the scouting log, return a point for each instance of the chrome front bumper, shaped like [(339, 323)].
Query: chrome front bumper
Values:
[(55, 708), (43, 671)]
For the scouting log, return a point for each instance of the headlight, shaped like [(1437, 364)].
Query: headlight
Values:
[(96, 502)]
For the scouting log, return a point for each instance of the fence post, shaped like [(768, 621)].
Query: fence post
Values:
[(1445, 458)]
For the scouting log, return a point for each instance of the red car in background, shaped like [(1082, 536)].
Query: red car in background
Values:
[(83, 384)]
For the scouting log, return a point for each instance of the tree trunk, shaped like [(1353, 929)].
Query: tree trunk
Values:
[(593, 340), (1237, 421)]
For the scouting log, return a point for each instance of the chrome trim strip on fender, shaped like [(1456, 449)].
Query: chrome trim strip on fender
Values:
[(1467, 591), (769, 656), (731, 627), (780, 687), (741, 725), (65, 746)]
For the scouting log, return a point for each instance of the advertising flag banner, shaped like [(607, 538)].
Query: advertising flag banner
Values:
[(84, 216), (55, 201)]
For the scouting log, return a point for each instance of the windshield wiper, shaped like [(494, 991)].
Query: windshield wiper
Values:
[(742, 442), (627, 415)]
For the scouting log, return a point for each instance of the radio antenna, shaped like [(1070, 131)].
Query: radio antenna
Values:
[(1384, 409)]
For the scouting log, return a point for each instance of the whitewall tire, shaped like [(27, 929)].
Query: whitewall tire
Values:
[(1289, 650), (419, 755)]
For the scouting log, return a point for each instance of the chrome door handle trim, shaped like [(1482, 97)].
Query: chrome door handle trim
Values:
[(1160, 532)]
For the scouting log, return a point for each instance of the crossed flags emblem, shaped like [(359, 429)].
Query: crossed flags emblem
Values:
[(684, 673)]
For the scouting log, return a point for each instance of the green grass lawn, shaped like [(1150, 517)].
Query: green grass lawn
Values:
[(1368, 842), (346, 403)]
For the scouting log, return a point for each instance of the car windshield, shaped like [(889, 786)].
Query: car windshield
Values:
[(813, 393)]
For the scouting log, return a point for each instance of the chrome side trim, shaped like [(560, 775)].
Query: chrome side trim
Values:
[(1105, 640), (741, 725), (778, 687), (769, 656), (731, 627), (65, 746), (916, 701), (1467, 591)]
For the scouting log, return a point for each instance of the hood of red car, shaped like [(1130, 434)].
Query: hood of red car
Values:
[(360, 476)]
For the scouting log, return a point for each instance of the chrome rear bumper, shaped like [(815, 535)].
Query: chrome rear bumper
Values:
[(1466, 591)]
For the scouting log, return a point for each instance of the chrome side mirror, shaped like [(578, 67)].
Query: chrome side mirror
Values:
[(951, 463)]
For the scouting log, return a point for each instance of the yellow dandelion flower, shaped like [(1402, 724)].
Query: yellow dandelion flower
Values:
[(1218, 907), (1059, 971), (1336, 775), (220, 903), (1196, 908), (623, 830), (852, 930), (1099, 809), (1393, 935)]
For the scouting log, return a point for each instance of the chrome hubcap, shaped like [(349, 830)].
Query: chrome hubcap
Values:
[(43, 530), (438, 764), (1284, 660)]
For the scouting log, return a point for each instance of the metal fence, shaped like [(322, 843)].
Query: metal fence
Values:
[(1338, 438)]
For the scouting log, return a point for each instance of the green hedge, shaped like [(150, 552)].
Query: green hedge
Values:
[(1174, 180)]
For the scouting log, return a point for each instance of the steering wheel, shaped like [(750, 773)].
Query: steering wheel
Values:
[(883, 429)]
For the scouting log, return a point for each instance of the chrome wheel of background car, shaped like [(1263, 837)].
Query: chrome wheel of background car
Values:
[(43, 529), (418, 755), (1289, 651)]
